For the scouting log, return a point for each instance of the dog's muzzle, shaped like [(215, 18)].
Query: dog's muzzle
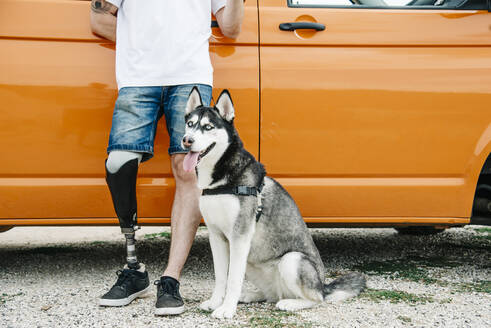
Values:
[(187, 142)]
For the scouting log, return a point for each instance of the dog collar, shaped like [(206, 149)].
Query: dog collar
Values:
[(240, 191), (237, 190)]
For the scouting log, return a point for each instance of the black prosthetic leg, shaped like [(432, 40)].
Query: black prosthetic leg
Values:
[(122, 185), (132, 281)]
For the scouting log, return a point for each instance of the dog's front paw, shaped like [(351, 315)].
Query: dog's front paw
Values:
[(224, 312), (210, 304)]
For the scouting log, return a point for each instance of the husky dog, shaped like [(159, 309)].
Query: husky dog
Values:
[(255, 226)]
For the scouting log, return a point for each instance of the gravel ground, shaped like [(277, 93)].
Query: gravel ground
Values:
[(52, 277)]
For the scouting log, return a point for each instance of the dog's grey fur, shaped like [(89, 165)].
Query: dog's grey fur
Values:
[(276, 253)]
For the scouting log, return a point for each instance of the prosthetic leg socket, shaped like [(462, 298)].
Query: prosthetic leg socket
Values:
[(122, 185)]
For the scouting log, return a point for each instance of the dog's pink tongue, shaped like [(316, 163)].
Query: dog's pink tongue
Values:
[(190, 161)]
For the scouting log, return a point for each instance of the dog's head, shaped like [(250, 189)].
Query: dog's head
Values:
[(209, 130)]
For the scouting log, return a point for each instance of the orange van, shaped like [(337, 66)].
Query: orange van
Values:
[(370, 112)]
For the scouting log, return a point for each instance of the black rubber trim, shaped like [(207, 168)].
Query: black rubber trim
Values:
[(302, 26), (465, 5), (481, 220)]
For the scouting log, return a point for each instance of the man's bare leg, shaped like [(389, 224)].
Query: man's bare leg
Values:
[(185, 217)]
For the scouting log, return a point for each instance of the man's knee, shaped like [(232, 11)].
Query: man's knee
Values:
[(118, 158)]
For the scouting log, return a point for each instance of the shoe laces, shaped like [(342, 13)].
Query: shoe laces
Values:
[(123, 277), (166, 286)]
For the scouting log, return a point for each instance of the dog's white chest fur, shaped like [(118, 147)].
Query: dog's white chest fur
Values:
[(220, 212)]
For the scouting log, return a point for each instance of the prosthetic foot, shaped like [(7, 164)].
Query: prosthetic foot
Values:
[(133, 279)]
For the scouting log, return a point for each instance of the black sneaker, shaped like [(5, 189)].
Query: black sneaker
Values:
[(169, 301), (130, 285)]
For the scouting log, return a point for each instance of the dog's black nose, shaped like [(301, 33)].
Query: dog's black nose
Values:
[(187, 142)]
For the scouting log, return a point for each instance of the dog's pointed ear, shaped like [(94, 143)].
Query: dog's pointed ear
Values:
[(194, 100), (225, 106)]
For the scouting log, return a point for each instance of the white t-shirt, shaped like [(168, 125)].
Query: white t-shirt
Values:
[(164, 42)]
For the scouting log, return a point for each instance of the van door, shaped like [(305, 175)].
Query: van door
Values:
[(57, 92), (373, 108)]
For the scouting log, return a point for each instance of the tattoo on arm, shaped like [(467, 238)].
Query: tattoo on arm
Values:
[(103, 7)]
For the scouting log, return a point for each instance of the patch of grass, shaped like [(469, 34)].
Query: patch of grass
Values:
[(97, 242), (473, 247), (479, 287), (395, 296), (6, 297), (413, 268), (276, 319), (483, 230), (482, 237), (482, 234), (436, 261), (151, 236), (259, 318), (404, 319), (445, 301), (201, 311), (265, 321), (402, 269)]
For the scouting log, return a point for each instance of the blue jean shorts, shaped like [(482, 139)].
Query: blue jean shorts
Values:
[(138, 110)]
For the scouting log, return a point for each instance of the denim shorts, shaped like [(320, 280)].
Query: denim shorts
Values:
[(138, 110)]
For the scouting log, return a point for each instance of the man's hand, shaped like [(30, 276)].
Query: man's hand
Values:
[(230, 18), (103, 19)]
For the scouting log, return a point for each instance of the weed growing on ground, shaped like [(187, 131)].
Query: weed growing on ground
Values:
[(201, 311), (400, 268), (6, 297), (412, 268), (445, 301), (483, 230), (259, 318), (404, 318), (151, 236), (482, 234), (276, 319), (482, 237), (395, 296), (479, 287)]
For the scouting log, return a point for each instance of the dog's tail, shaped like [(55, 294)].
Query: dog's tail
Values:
[(344, 287)]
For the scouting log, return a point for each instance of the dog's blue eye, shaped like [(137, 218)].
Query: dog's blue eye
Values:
[(208, 127), (190, 124)]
